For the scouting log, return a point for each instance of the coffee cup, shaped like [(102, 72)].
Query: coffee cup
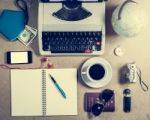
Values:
[(94, 72)]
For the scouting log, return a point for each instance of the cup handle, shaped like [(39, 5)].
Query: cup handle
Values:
[(83, 73)]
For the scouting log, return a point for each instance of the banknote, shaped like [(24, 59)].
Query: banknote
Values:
[(27, 35)]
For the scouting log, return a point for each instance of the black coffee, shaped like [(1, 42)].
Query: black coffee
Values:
[(97, 72)]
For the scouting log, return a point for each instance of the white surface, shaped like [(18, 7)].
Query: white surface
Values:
[(119, 51), (67, 80), (26, 92), (133, 19), (19, 57), (105, 80)]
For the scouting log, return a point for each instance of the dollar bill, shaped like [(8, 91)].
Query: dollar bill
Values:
[(27, 35)]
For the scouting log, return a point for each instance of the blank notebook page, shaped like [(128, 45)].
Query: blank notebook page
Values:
[(55, 102), (26, 92)]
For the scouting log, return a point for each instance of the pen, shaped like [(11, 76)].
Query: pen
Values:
[(58, 87)]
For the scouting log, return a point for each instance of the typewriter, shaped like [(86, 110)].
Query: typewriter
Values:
[(71, 27)]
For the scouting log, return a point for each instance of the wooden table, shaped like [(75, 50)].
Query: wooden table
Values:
[(136, 49)]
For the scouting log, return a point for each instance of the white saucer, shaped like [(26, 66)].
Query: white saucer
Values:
[(104, 81)]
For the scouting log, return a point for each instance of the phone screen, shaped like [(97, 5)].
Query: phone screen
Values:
[(19, 57)]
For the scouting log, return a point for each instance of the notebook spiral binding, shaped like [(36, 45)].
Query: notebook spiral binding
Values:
[(44, 92)]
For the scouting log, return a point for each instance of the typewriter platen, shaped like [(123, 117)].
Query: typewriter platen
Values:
[(71, 28)]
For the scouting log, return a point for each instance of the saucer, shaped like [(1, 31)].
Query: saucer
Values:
[(104, 81)]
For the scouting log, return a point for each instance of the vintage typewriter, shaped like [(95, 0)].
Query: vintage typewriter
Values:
[(71, 27)]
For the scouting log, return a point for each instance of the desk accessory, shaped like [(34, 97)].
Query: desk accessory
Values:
[(19, 57), (96, 72), (129, 19), (33, 93), (62, 37), (133, 73), (28, 34), (45, 63), (119, 51), (100, 102), (72, 11), (11, 23), (58, 87), (127, 100)]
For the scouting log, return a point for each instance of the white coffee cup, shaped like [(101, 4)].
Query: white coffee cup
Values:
[(94, 72)]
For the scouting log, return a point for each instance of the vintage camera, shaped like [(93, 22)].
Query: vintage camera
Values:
[(131, 73)]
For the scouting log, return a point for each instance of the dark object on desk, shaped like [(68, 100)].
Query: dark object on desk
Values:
[(19, 57), (72, 42), (127, 100), (97, 72), (100, 102), (72, 11)]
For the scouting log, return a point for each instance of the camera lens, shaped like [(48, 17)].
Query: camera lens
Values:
[(97, 109), (107, 95)]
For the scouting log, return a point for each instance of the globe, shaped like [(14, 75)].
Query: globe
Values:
[(129, 19)]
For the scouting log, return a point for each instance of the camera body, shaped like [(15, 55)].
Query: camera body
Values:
[(131, 74)]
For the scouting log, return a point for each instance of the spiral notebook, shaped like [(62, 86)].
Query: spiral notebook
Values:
[(33, 93)]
